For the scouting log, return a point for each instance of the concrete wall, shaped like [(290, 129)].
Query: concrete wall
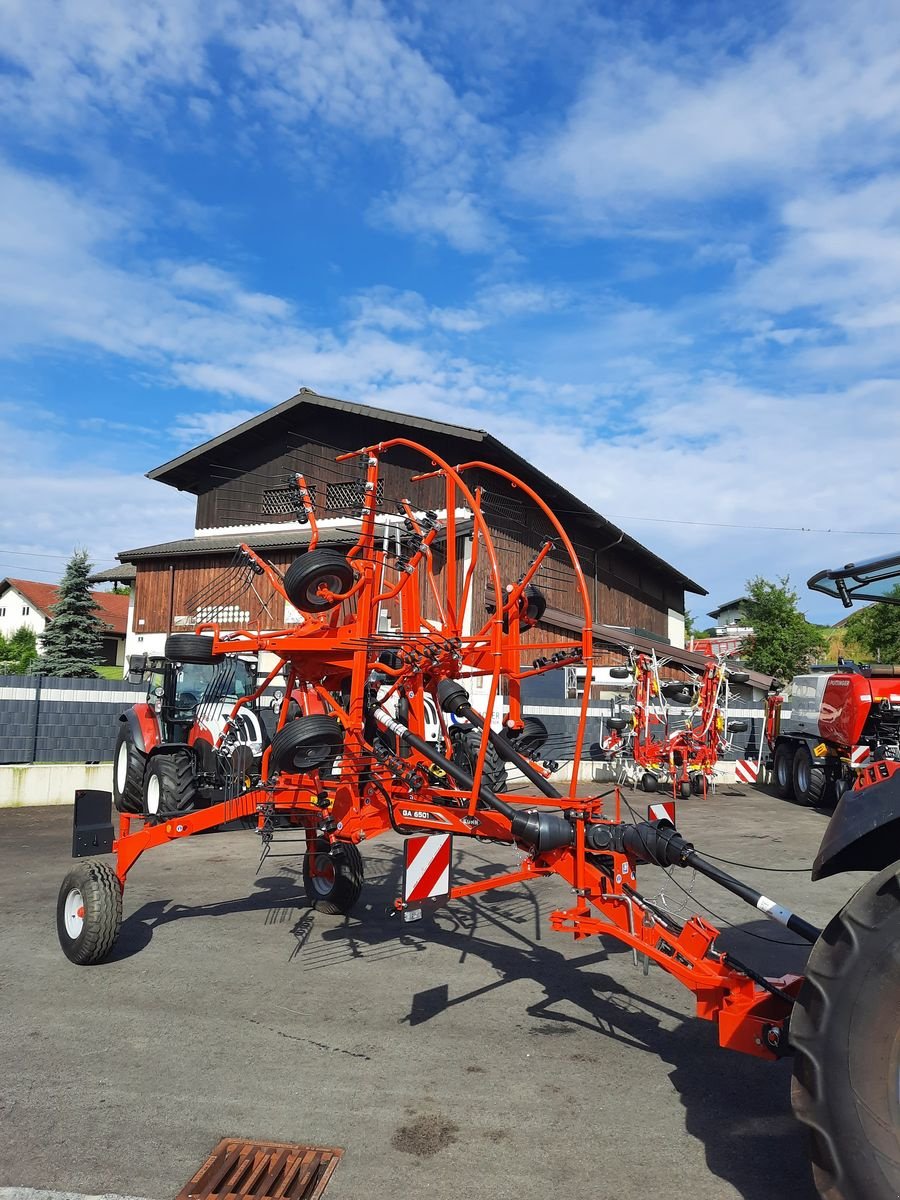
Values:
[(50, 783)]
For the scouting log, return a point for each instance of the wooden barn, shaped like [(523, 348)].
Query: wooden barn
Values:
[(242, 482)]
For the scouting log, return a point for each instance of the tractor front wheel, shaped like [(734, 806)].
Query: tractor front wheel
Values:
[(333, 876), (170, 786), (845, 1030), (89, 912)]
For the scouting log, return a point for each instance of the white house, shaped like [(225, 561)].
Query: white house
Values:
[(23, 602)]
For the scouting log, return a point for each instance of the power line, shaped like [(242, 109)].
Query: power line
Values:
[(761, 528), (30, 553)]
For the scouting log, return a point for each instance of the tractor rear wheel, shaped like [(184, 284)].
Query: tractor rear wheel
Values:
[(170, 785), (810, 780), (129, 765), (783, 771), (466, 744), (89, 912), (334, 882), (845, 1031)]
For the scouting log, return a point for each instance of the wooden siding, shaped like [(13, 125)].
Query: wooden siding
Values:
[(626, 589)]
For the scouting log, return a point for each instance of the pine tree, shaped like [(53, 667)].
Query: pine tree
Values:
[(72, 641)]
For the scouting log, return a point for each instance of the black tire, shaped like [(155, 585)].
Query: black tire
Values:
[(306, 574), (617, 723), (465, 745), (697, 783), (190, 648), (89, 912), (129, 765), (620, 672), (339, 887), (783, 771), (533, 736), (845, 1030), (170, 785), (306, 744), (809, 778), (738, 677), (650, 782), (685, 789), (533, 605)]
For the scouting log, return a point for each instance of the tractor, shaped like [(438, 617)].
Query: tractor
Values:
[(195, 731)]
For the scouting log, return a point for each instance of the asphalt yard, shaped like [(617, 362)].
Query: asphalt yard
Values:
[(473, 1054)]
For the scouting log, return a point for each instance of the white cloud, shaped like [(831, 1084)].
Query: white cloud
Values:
[(668, 124)]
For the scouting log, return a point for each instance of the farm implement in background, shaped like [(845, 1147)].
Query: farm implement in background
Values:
[(388, 650), (674, 731)]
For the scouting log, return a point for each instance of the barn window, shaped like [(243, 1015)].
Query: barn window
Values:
[(26, 611), (350, 495), (285, 501)]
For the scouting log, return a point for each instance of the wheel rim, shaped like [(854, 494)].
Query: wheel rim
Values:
[(802, 775), (122, 767), (154, 793), (331, 582), (323, 880), (73, 914)]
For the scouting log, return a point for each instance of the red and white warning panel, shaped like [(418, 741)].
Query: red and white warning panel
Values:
[(859, 755), (426, 872), (662, 810), (746, 770)]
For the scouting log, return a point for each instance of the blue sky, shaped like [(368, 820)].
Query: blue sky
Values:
[(654, 247)]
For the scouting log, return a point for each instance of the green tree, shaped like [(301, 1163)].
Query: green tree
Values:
[(876, 628), (72, 640), (783, 643), (18, 654)]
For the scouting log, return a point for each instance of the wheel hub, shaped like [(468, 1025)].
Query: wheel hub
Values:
[(73, 914)]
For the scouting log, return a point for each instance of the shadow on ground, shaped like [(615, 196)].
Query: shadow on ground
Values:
[(738, 1107)]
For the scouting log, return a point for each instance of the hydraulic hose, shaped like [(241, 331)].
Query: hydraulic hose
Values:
[(544, 831), (455, 699)]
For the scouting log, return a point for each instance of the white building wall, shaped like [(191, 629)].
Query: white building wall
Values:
[(16, 611), (676, 628)]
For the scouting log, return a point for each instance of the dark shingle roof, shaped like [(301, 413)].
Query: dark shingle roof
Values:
[(186, 472)]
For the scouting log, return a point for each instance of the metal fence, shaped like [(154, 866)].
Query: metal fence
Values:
[(61, 720)]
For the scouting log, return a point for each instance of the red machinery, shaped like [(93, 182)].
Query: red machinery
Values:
[(358, 761), (679, 752)]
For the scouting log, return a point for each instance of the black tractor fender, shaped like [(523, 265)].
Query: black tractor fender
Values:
[(864, 831)]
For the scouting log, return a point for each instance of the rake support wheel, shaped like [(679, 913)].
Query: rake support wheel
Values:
[(89, 912), (191, 648), (315, 569), (306, 744), (334, 881)]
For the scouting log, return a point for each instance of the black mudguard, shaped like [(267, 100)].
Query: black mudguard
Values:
[(864, 831)]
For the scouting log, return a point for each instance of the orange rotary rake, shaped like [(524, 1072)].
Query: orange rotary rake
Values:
[(378, 730)]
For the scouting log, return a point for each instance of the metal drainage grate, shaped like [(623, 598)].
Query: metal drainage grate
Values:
[(263, 1171)]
